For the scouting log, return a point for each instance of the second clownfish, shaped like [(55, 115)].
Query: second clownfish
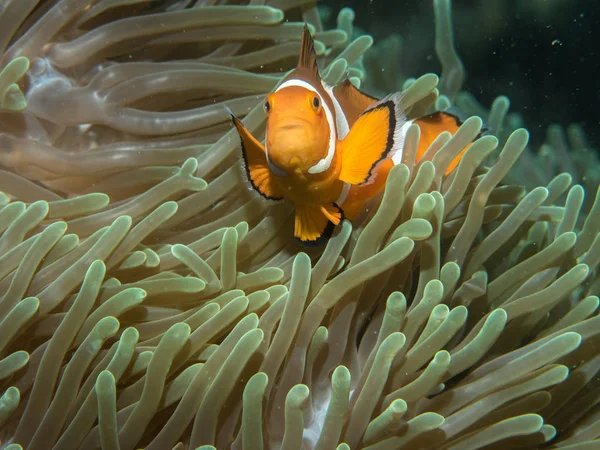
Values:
[(329, 149)]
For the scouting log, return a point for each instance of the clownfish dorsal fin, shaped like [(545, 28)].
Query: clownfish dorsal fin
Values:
[(308, 56), (432, 125), (377, 135), (256, 164), (352, 100), (314, 224)]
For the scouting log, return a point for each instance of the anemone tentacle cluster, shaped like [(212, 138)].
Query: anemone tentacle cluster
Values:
[(148, 299)]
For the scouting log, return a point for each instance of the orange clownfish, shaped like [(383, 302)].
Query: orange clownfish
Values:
[(329, 149)]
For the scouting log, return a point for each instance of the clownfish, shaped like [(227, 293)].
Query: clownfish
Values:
[(329, 149)]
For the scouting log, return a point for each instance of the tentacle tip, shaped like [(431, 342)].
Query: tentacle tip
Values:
[(190, 166)]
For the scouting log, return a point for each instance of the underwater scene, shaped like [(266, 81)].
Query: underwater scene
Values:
[(298, 225)]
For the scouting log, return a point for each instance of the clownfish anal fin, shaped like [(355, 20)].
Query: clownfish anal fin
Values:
[(308, 56), (375, 136), (256, 165), (314, 224), (352, 100)]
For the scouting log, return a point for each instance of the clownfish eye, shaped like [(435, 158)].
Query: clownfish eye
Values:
[(267, 107), (316, 103)]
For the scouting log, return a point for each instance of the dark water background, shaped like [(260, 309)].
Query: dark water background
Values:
[(543, 54)]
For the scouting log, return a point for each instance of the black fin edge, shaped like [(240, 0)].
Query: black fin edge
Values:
[(390, 138), (246, 164)]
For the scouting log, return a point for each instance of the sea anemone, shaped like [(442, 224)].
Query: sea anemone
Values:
[(150, 300)]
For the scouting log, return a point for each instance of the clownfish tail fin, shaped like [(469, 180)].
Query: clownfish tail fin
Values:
[(308, 56), (377, 135)]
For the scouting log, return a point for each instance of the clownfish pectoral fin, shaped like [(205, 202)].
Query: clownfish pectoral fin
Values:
[(352, 100), (434, 124), (376, 135), (308, 56), (256, 164), (314, 225)]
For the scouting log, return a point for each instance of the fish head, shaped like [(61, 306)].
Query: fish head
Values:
[(298, 129)]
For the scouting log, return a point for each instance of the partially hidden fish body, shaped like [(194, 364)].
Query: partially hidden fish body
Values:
[(329, 149)]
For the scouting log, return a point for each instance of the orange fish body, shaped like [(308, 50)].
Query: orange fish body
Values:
[(328, 149)]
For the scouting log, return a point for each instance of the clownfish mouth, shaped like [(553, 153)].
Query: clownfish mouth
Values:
[(290, 121), (292, 126)]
